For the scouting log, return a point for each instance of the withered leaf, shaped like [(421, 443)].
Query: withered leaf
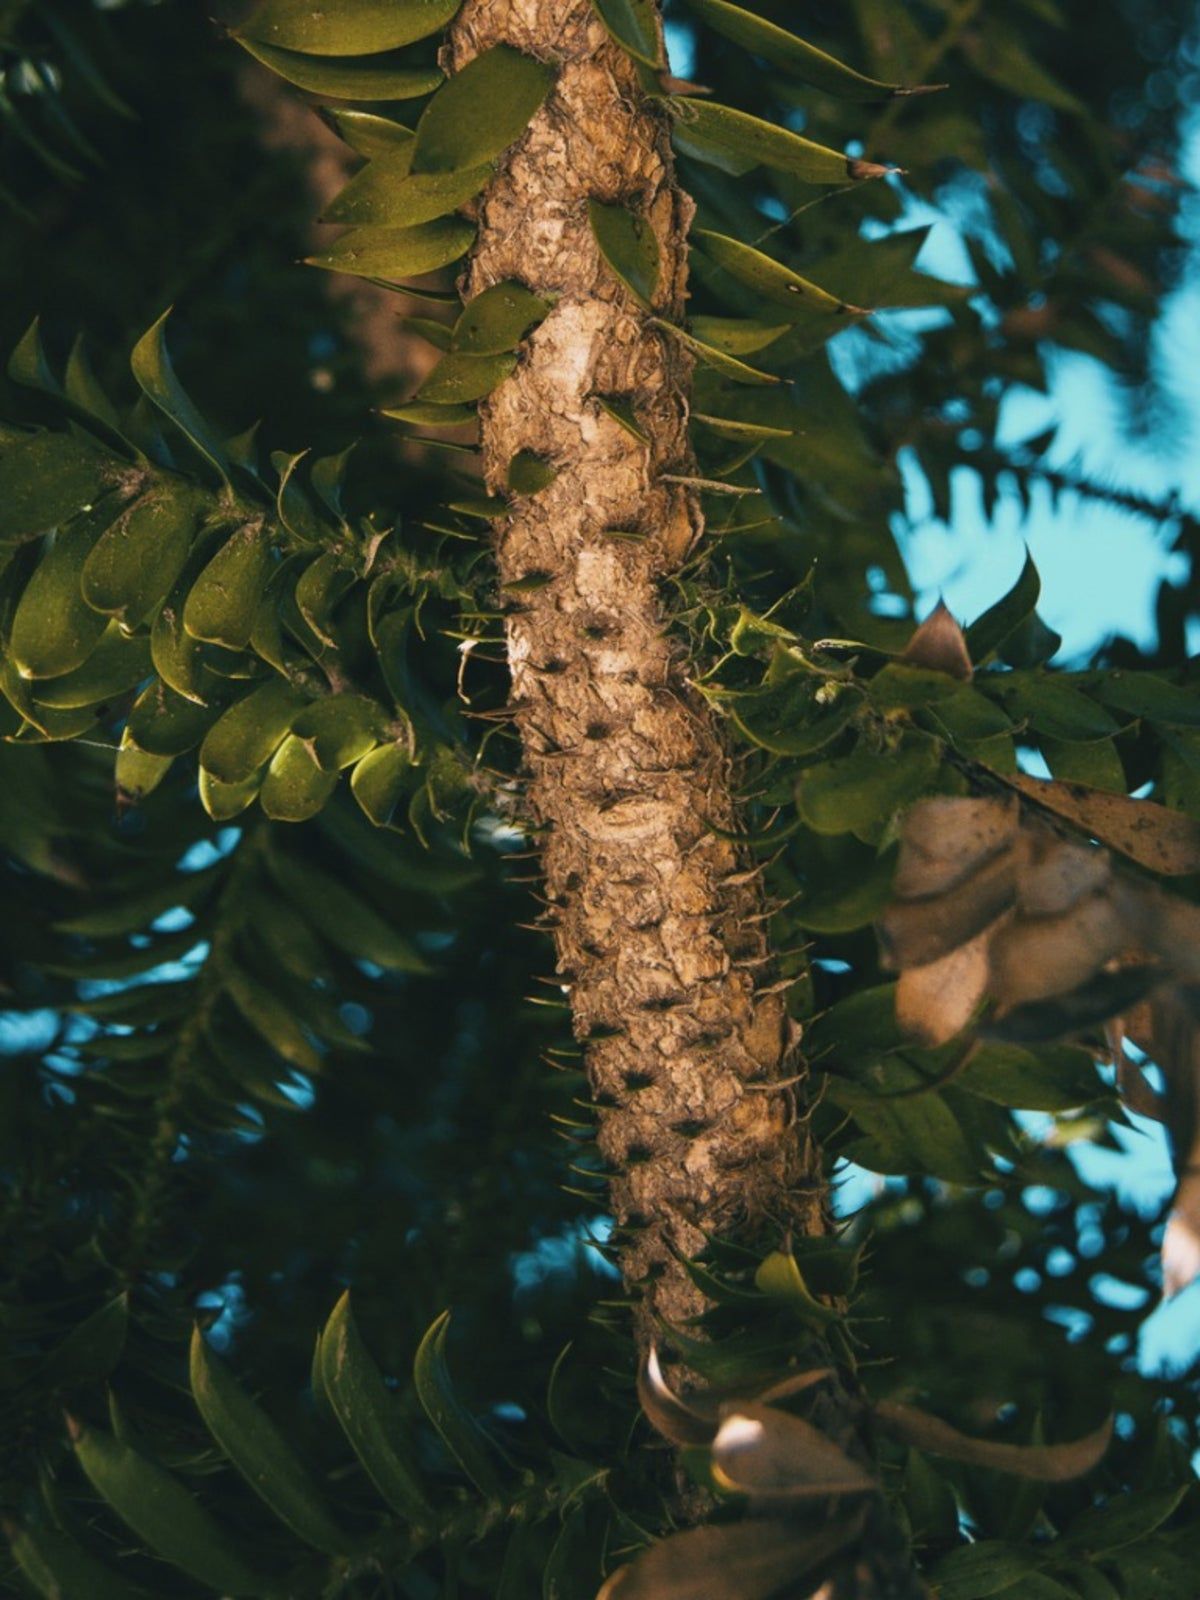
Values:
[(1104, 995), (670, 1415), (936, 1002), (750, 1560), (913, 933), (945, 839), (1036, 958), (1054, 875), (1045, 1463), (941, 645), (777, 1458), (1165, 841)]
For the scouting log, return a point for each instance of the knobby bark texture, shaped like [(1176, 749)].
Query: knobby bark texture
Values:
[(658, 924)]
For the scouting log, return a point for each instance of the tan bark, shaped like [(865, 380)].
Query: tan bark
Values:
[(658, 927)]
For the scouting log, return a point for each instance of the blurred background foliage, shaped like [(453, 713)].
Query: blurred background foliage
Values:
[(428, 1146)]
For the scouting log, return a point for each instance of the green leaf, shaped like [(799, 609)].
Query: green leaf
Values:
[(989, 631), (244, 738), (273, 1020), (341, 728), (349, 28), (699, 123), (45, 480), (134, 563), (393, 254), (459, 378), (379, 779), (223, 602), (54, 629), (480, 111), (727, 366), (529, 474), (460, 1433), (1050, 706), (378, 77), (859, 793), (224, 801), (741, 432), (92, 1349), (634, 26), (1146, 695), (737, 336), (386, 192), (629, 246), (344, 917), (802, 60), (498, 319), (295, 787), (370, 135), (258, 1450), (1096, 764), (136, 773), (770, 279), (57, 1567), (978, 1571), (162, 1513), (151, 365), (163, 723), (365, 1410), (1123, 1520), (116, 664), (780, 1278), (427, 414)]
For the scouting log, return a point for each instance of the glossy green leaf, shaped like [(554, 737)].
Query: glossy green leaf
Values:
[(57, 1567), (751, 140), (163, 723), (498, 319), (393, 254), (858, 793), (246, 736), (379, 780), (529, 473), (768, 278), (798, 58), (162, 1513), (258, 1450), (365, 1409), (989, 631), (134, 563), (623, 414), (728, 366), (737, 336), (223, 602), (378, 77), (137, 773), (779, 1277), (628, 244), (151, 365), (427, 414), (481, 110), (371, 135), (460, 1433), (340, 728), (343, 917), (83, 389), (385, 192), (634, 25), (295, 788), (273, 1019), (54, 629), (349, 28), (459, 378), (47, 478), (224, 801), (117, 664)]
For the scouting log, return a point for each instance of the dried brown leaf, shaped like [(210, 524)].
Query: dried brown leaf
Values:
[(1165, 841), (750, 1560), (940, 645), (945, 839), (936, 1002), (914, 933), (777, 1458), (1054, 875), (1038, 958), (1045, 1463), (668, 1414)]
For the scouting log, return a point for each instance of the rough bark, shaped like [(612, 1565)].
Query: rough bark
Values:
[(658, 926)]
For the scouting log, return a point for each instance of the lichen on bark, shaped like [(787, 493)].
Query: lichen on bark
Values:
[(657, 921)]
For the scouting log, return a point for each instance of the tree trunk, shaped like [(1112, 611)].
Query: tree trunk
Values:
[(658, 924)]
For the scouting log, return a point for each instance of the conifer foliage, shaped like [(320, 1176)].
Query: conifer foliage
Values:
[(472, 896)]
